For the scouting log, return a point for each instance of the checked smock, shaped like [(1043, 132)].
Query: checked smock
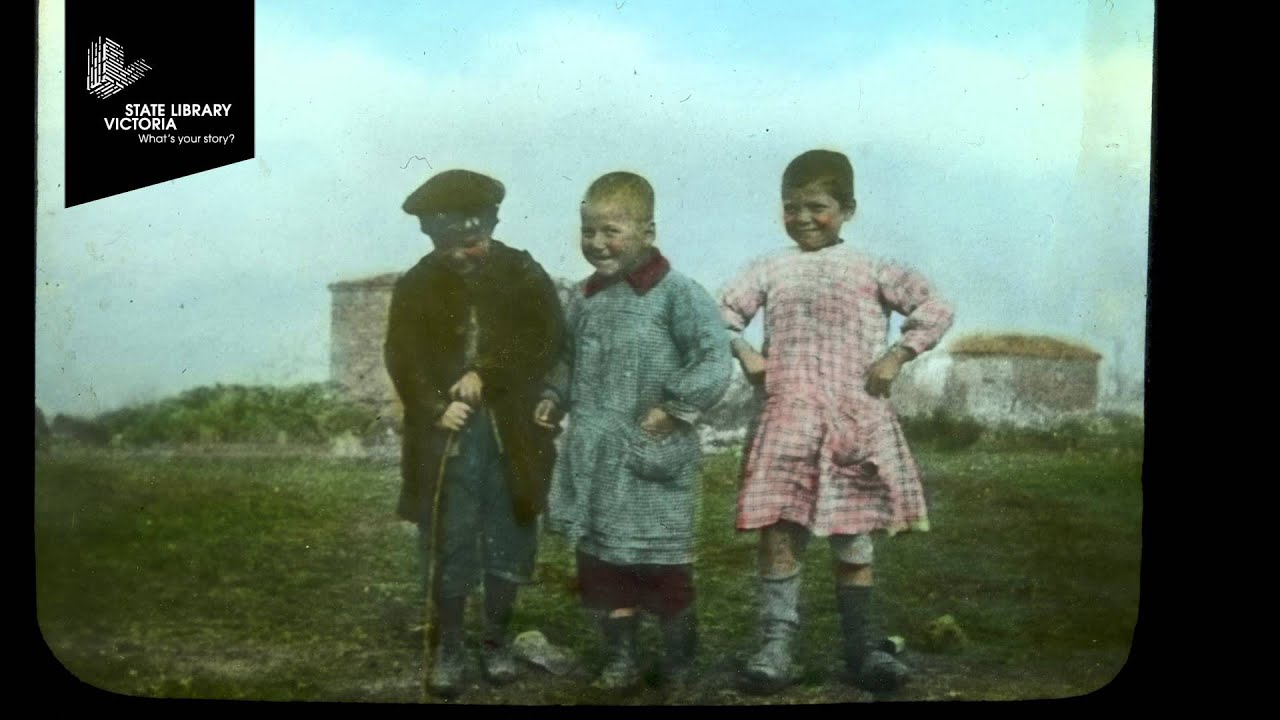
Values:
[(620, 494), (825, 453)]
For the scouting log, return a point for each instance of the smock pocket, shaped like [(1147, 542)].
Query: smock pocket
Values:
[(848, 437), (662, 459), (847, 444)]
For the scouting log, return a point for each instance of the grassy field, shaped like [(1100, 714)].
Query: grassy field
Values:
[(277, 578)]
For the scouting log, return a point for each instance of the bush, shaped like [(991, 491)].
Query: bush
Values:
[(309, 413), (80, 430), (1108, 431), (942, 430)]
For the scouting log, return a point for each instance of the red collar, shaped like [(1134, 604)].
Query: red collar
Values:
[(642, 278)]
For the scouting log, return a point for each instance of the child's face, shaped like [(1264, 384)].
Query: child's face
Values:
[(463, 238), (613, 239), (812, 217)]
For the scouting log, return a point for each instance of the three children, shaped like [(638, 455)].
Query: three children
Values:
[(641, 354)]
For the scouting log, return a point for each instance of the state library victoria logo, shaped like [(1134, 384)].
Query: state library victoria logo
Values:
[(105, 72)]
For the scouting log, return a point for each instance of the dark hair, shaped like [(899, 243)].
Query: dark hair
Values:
[(830, 169), (628, 187)]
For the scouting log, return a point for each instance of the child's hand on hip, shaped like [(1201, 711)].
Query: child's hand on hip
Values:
[(658, 422), (455, 416), (547, 414), (885, 370), (467, 389), (752, 362)]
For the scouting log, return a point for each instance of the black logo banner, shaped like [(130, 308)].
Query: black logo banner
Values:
[(154, 94)]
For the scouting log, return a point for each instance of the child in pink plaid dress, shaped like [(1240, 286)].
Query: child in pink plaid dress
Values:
[(827, 456)]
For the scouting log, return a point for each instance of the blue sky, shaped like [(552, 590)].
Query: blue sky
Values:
[(722, 30), (1001, 147)]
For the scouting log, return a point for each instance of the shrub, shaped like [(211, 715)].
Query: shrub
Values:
[(1108, 431), (308, 413), (942, 430), (1111, 431), (80, 430)]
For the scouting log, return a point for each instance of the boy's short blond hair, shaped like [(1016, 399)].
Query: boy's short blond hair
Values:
[(626, 188)]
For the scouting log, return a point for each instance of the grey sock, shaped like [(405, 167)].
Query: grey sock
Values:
[(772, 666), (780, 605)]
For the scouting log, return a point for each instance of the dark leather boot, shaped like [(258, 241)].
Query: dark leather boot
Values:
[(868, 667), (680, 646), (449, 663), (620, 669)]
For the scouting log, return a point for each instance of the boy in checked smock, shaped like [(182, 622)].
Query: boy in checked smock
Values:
[(827, 456), (646, 357)]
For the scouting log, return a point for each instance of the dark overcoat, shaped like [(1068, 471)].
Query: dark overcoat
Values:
[(521, 331)]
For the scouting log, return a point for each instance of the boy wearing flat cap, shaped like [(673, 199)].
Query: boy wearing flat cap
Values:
[(473, 329)]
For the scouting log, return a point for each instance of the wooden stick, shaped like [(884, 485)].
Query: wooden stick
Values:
[(432, 607)]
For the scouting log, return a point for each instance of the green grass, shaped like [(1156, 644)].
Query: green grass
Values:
[(289, 579)]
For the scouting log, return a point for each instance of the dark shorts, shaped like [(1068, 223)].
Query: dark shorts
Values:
[(663, 590)]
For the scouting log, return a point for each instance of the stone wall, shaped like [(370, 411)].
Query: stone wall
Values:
[(1020, 390), (918, 391), (358, 327)]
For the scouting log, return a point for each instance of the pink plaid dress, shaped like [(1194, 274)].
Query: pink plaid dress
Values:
[(824, 453)]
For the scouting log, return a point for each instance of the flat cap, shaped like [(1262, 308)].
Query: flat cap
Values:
[(455, 191)]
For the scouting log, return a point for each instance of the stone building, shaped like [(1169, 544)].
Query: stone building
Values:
[(918, 391), (357, 331), (1020, 379)]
